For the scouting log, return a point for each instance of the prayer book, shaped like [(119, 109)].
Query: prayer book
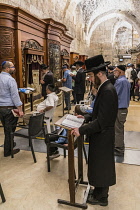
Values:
[(65, 89), (72, 121), (15, 112)]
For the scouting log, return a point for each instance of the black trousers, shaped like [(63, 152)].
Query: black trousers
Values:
[(67, 100), (132, 90), (9, 123), (101, 192), (79, 97)]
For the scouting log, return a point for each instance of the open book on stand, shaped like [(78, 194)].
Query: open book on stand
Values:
[(72, 121)]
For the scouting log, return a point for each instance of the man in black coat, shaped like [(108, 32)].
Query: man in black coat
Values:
[(101, 133), (110, 74), (79, 79), (47, 79)]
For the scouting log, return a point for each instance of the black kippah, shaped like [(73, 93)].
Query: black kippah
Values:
[(121, 67)]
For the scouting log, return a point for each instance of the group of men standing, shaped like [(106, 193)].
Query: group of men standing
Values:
[(104, 126)]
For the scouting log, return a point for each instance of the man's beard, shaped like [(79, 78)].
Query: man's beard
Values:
[(12, 72), (116, 76), (97, 81)]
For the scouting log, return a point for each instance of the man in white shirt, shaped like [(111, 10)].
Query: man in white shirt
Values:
[(50, 103), (47, 106), (128, 74)]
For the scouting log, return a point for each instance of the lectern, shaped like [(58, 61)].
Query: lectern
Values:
[(73, 184), (66, 90)]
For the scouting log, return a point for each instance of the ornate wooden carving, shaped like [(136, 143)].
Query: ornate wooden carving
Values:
[(54, 58), (32, 45), (7, 45), (65, 57), (65, 53), (23, 64)]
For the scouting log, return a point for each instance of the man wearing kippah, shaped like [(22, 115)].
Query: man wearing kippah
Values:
[(67, 82), (123, 91), (9, 99), (47, 78)]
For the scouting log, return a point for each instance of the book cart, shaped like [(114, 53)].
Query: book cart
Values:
[(73, 183)]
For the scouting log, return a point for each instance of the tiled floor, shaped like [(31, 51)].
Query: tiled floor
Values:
[(28, 185)]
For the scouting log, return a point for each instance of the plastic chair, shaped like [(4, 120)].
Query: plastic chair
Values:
[(2, 194), (54, 144), (34, 129)]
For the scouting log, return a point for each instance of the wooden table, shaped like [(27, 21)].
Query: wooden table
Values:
[(73, 184), (29, 96)]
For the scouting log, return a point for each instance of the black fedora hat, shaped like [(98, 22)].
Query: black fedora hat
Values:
[(80, 63), (95, 64)]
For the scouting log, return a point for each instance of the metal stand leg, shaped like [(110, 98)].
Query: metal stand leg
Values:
[(2, 194), (85, 154)]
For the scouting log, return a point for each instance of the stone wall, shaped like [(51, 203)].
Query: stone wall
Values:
[(55, 9), (112, 36), (103, 41)]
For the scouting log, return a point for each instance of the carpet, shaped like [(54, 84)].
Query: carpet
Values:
[(131, 156)]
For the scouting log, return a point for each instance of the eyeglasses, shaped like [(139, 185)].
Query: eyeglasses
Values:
[(12, 67)]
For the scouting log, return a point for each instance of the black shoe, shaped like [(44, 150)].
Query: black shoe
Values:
[(90, 194), (116, 153), (66, 108), (92, 200), (54, 155), (15, 151)]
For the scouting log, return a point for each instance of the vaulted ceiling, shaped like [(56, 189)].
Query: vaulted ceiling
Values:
[(96, 11), (83, 17)]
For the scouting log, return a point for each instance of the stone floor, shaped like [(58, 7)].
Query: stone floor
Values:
[(28, 185)]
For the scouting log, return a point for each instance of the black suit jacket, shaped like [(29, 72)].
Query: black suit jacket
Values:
[(79, 82), (101, 133), (48, 79)]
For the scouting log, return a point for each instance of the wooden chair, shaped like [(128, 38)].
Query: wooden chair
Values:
[(34, 129), (2, 194), (54, 144)]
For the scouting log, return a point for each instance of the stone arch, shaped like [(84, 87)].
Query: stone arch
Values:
[(69, 4), (109, 15), (120, 23)]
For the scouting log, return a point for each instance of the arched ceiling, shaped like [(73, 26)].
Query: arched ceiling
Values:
[(107, 16), (96, 11)]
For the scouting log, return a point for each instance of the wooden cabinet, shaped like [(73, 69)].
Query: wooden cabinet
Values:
[(74, 57), (24, 37), (83, 58), (65, 57)]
